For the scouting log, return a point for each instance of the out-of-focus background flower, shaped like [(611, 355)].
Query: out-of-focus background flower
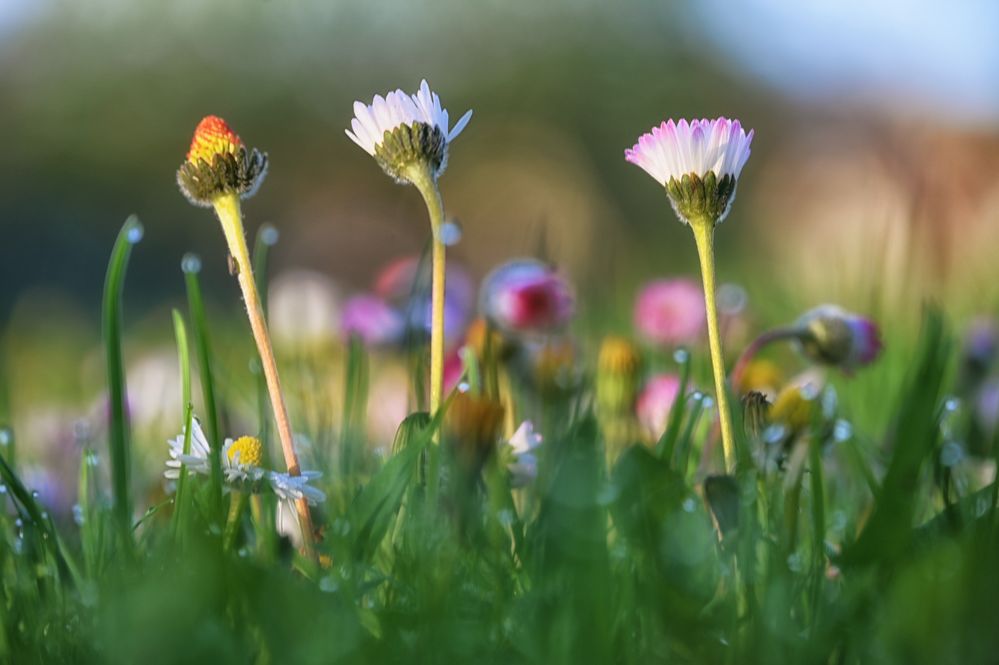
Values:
[(874, 180)]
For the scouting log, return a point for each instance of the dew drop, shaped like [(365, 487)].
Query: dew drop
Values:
[(451, 232), (135, 232), (463, 387), (689, 504), (681, 356), (191, 263), (329, 584), (269, 235), (6, 436), (952, 404), (707, 402), (35, 494), (809, 391), (842, 430), (732, 299), (3, 488), (697, 396), (78, 514), (951, 454), (774, 434)]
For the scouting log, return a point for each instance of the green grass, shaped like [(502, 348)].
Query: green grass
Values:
[(630, 557)]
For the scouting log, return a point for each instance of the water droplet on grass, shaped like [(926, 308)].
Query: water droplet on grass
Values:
[(842, 430), (78, 516), (269, 235), (135, 232), (191, 263), (681, 356)]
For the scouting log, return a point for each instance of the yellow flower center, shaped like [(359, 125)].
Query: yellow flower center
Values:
[(249, 449)]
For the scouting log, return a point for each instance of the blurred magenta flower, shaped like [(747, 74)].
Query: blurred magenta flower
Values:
[(830, 335), (655, 401), (671, 312), (372, 320), (527, 296)]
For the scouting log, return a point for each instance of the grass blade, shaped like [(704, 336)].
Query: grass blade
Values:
[(119, 433), (191, 265), (184, 360)]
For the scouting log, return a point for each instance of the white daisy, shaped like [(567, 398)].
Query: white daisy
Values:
[(523, 443), (197, 461), (241, 460), (292, 488), (374, 123), (675, 149)]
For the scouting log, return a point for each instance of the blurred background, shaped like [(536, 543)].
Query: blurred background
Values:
[(874, 180)]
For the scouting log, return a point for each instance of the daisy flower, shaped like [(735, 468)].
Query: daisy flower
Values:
[(242, 459), (196, 461), (698, 162), (655, 402), (527, 296), (522, 445), (399, 130), (671, 312)]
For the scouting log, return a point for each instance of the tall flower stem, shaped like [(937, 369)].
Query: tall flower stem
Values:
[(419, 174), (229, 214), (704, 232)]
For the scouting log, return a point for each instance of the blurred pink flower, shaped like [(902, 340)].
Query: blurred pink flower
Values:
[(655, 402), (372, 320), (527, 296), (671, 312)]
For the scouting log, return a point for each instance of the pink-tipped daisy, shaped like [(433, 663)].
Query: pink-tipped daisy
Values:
[(698, 162), (399, 130), (527, 296), (671, 312)]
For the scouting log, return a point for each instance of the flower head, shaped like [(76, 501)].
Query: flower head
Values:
[(527, 296), (671, 312), (655, 402), (522, 446), (218, 163), (197, 461), (698, 162), (242, 459), (371, 319), (292, 488), (832, 336), (402, 130)]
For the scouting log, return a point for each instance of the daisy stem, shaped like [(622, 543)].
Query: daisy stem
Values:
[(237, 504), (424, 181), (229, 214), (704, 232)]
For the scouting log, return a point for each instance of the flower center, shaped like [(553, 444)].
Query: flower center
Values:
[(249, 449)]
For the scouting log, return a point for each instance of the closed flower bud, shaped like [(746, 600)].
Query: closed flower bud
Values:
[(527, 296), (755, 414), (219, 164), (472, 426), (832, 336)]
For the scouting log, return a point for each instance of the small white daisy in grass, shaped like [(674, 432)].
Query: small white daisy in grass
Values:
[(242, 459), (699, 162), (399, 130), (196, 460), (290, 489)]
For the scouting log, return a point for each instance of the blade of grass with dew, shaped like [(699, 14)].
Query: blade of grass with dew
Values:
[(90, 517), (119, 431), (182, 496), (191, 265)]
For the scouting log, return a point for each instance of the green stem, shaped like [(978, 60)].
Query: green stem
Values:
[(237, 504), (229, 214), (704, 231), (421, 177), (756, 346)]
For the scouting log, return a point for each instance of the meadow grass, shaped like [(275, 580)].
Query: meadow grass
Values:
[(845, 553)]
